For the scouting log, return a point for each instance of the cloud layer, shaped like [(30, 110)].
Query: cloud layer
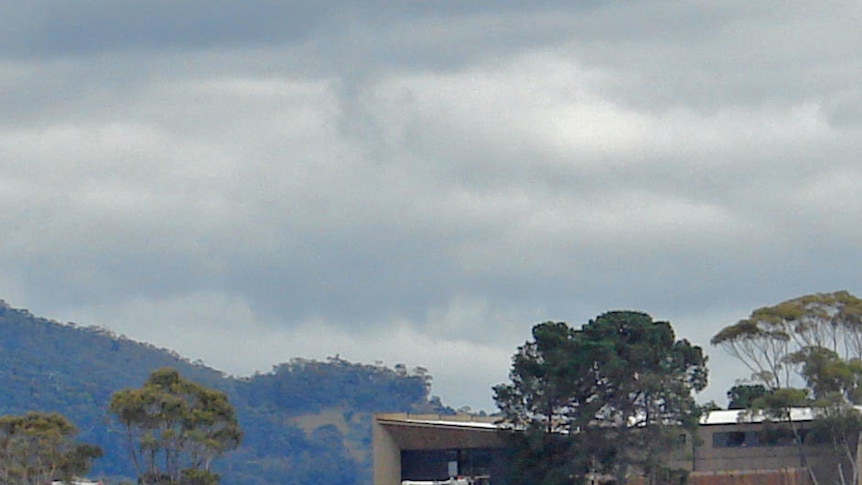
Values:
[(422, 182)]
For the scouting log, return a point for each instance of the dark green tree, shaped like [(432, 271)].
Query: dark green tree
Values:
[(175, 428), (743, 396), (36, 448), (609, 398)]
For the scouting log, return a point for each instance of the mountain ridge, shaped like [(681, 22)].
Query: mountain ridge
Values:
[(305, 422)]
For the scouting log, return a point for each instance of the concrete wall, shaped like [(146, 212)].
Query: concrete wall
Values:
[(742, 448), (753, 454), (386, 456)]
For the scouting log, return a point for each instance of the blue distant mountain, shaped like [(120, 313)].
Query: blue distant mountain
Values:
[(307, 422)]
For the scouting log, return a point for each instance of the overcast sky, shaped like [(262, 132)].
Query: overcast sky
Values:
[(421, 181)]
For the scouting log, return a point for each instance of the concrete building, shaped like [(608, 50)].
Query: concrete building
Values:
[(428, 448), (433, 447)]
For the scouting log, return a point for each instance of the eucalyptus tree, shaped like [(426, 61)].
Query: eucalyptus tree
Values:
[(602, 399), (773, 341), (37, 448), (806, 351), (175, 428)]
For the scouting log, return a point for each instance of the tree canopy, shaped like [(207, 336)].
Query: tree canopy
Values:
[(36, 448), (175, 428), (743, 396), (775, 342), (603, 399), (806, 351)]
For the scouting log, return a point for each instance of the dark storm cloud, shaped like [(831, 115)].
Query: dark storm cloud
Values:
[(45, 28)]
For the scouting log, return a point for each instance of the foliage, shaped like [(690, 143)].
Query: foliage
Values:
[(36, 448), (276, 451), (773, 341), (806, 351), (304, 385), (48, 366), (600, 399), (175, 428), (743, 396)]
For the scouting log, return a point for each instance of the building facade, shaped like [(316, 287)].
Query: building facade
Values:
[(731, 447)]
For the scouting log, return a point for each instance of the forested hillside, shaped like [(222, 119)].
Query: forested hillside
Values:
[(306, 422)]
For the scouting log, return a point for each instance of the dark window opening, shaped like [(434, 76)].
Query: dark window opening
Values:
[(730, 439), (766, 437), (428, 465), (777, 437)]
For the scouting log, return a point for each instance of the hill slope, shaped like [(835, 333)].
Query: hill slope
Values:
[(306, 422)]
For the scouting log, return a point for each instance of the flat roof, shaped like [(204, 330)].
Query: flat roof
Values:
[(455, 421), (718, 417), (734, 416)]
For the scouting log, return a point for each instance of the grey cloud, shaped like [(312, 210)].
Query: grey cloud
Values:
[(448, 175), (87, 27)]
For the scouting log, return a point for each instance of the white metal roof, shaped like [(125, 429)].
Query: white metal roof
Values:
[(443, 422), (733, 416), (723, 416)]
